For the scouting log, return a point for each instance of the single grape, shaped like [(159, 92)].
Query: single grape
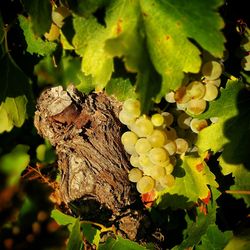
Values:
[(158, 155), (130, 149), (211, 70), (126, 118), (168, 118), (196, 106), (197, 125), (184, 120), (169, 168), (142, 146), (211, 92), (157, 138), (182, 145), (196, 90), (215, 82), (157, 172), (129, 137), (145, 184), (169, 97), (135, 175), (134, 161), (133, 107), (167, 180), (181, 95), (143, 127), (157, 120), (171, 147)]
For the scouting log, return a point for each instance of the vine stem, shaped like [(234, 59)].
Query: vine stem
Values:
[(238, 192), (102, 228)]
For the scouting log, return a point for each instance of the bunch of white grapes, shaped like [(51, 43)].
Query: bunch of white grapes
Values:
[(152, 145)]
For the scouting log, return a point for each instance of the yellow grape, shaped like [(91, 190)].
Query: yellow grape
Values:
[(128, 138), (143, 127), (196, 90), (167, 181), (135, 175), (157, 138), (134, 161), (196, 106), (157, 172), (145, 184), (144, 161), (169, 97), (130, 149), (197, 125), (132, 107), (182, 145), (158, 155), (126, 118), (171, 147), (211, 92), (211, 70), (181, 96), (142, 146), (157, 120), (215, 82), (169, 168)]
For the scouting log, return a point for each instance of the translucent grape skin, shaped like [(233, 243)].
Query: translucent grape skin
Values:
[(167, 180), (211, 92), (197, 125), (181, 96), (196, 89), (158, 155), (145, 184), (182, 145), (142, 146), (171, 147), (134, 160), (132, 107), (169, 97), (157, 172), (135, 175), (125, 118), (143, 126), (196, 106), (157, 138), (211, 70), (129, 137), (157, 120)]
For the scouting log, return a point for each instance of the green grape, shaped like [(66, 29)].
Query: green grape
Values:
[(184, 120), (142, 146), (168, 118), (170, 146), (126, 118), (196, 90), (167, 180), (135, 175), (130, 149), (157, 120), (134, 161), (143, 127), (169, 168), (157, 138), (59, 14), (145, 184), (182, 145), (132, 107), (197, 125), (181, 95), (169, 97), (211, 92), (157, 172), (129, 137), (196, 106), (158, 155), (211, 70), (144, 161)]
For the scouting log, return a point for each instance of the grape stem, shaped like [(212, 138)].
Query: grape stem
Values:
[(237, 192), (102, 228)]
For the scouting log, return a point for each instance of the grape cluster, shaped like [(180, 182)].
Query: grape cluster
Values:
[(193, 97), (152, 145)]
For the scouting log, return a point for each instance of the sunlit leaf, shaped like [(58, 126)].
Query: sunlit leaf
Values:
[(92, 234), (75, 238), (63, 219)]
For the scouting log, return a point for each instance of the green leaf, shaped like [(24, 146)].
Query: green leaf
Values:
[(35, 44), (75, 238), (241, 242), (241, 179), (45, 153), (122, 89), (13, 163), (214, 239), (232, 131), (119, 243), (163, 27), (91, 234), (12, 113), (63, 219), (190, 182), (40, 12)]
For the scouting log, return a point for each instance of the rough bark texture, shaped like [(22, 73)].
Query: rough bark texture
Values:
[(85, 131)]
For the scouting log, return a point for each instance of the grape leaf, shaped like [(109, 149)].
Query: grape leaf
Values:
[(35, 44), (241, 178), (162, 27), (241, 242), (13, 163), (190, 181), (214, 239), (232, 130), (40, 12), (120, 243), (91, 234), (75, 239), (63, 219), (122, 89)]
